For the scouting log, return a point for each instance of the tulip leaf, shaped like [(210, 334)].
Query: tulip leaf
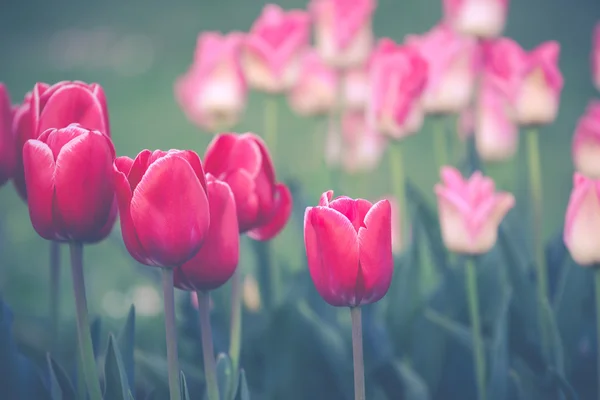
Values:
[(414, 386), (55, 390), (556, 259), (60, 385), (126, 341), (225, 378), (116, 386), (498, 386), (456, 330), (517, 392), (555, 356), (185, 393), (96, 332), (244, 392)]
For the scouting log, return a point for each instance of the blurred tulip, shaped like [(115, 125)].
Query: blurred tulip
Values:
[(531, 80), (398, 75), (274, 48), (243, 161), (349, 249), (586, 142), (343, 32), (251, 293), (465, 124), (479, 18), (582, 221), (470, 211), (216, 261), (163, 206), (68, 173), (362, 150), (356, 88), (452, 68), (7, 146), (213, 91), (57, 106), (596, 56), (316, 90)]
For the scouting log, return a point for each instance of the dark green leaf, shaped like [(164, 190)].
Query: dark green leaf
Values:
[(96, 332), (555, 354), (185, 394), (498, 386), (126, 341), (55, 390), (516, 388), (244, 392), (563, 386), (131, 396), (225, 378), (116, 386), (414, 386), (456, 330), (59, 381)]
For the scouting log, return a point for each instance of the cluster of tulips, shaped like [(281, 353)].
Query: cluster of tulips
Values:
[(185, 215)]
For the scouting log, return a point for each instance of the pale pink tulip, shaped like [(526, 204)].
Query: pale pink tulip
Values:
[(343, 30), (213, 91), (479, 18), (356, 88), (531, 80), (582, 221), (316, 90), (274, 48), (362, 148), (452, 61), (470, 211), (586, 142), (596, 56)]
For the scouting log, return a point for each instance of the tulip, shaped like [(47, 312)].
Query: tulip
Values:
[(356, 89), (582, 221), (452, 59), (68, 173), (479, 18), (586, 142), (216, 261), (316, 90), (349, 249), (274, 47), (465, 124), (163, 205), (243, 162), (362, 149), (398, 75), (57, 106), (213, 91), (470, 211), (7, 147), (343, 31), (596, 56), (396, 226)]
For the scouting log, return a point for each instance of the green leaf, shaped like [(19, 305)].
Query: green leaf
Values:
[(517, 391), (456, 330), (225, 378), (185, 394), (414, 386), (116, 386), (555, 355), (244, 392), (126, 341), (96, 331), (131, 396), (59, 381), (498, 386)]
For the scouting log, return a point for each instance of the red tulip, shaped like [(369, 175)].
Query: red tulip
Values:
[(243, 161), (349, 249), (57, 106), (215, 263), (7, 147), (69, 179), (163, 206)]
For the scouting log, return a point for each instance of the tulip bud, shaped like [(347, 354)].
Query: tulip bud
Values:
[(216, 261), (586, 142), (596, 56), (451, 60), (582, 221), (163, 206), (362, 149), (274, 47), (480, 18), (349, 249), (470, 211), (213, 91), (343, 32), (68, 173), (243, 162), (57, 106), (316, 90), (7, 146)]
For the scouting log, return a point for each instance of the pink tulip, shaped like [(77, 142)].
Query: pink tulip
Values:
[(343, 30), (8, 158), (212, 93), (356, 88), (465, 124), (586, 142), (470, 211), (362, 149), (531, 80), (451, 58), (582, 221), (316, 90), (274, 48), (397, 77), (479, 18), (397, 240), (596, 56)]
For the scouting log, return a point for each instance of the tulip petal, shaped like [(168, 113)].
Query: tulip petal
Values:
[(194, 160), (283, 210), (333, 255), (376, 261), (325, 198), (242, 186), (216, 158), (123, 164), (267, 163), (137, 169), (39, 167), (103, 232), (354, 210), (170, 211)]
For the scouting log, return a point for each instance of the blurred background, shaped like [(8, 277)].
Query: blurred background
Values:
[(137, 48)]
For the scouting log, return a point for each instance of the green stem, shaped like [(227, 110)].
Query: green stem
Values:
[(440, 141), (478, 350), (235, 337), (86, 348), (399, 186), (270, 124), (54, 290), (357, 352), (597, 289), (269, 273), (210, 369), (170, 328)]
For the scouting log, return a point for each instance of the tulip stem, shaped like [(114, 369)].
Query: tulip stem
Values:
[(399, 186), (597, 290), (210, 369), (235, 336), (357, 352), (440, 141), (172, 359), (478, 350), (54, 290), (270, 124), (86, 348)]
